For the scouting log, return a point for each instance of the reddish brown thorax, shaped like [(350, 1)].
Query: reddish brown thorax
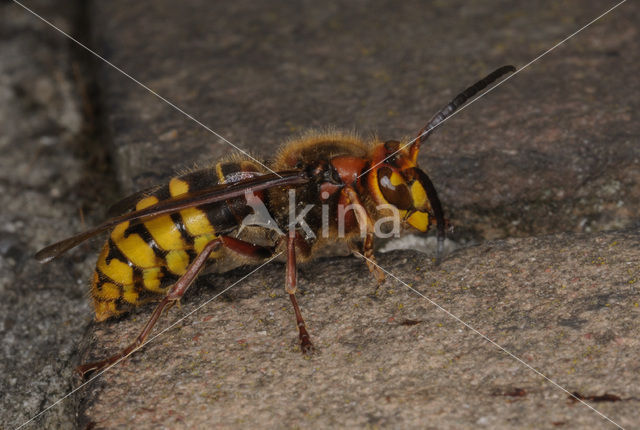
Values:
[(348, 168)]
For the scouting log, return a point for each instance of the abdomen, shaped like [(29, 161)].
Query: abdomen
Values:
[(140, 262)]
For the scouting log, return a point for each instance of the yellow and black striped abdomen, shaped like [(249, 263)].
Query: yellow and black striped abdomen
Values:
[(140, 262)]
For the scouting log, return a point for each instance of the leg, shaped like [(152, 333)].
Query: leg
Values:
[(365, 221), (175, 294), (291, 285)]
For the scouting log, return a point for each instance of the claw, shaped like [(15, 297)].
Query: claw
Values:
[(306, 346)]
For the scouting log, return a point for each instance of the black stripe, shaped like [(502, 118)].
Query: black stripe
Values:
[(104, 279), (218, 214), (179, 222), (192, 254), (220, 217), (145, 295), (138, 278), (167, 278), (142, 231), (115, 252), (103, 300), (122, 306), (200, 179), (162, 193), (229, 168)]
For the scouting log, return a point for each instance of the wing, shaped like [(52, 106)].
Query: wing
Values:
[(197, 198), (129, 202)]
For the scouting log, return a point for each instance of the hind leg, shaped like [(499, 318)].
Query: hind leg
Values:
[(175, 294), (291, 285)]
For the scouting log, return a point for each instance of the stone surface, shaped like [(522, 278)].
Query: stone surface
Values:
[(49, 171), (567, 305), (553, 150)]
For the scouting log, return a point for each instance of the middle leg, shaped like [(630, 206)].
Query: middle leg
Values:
[(291, 285)]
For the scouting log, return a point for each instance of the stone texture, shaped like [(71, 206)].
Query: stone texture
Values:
[(49, 171), (552, 151), (567, 305)]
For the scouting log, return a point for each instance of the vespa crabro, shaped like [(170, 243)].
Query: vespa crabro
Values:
[(341, 186)]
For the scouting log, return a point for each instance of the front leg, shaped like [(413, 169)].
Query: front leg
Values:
[(364, 222)]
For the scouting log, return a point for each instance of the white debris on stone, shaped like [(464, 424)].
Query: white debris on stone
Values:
[(420, 243)]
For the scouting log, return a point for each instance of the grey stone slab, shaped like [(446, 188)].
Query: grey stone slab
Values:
[(48, 179), (567, 305)]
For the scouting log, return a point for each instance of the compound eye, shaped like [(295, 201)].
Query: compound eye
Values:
[(391, 147), (394, 188)]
